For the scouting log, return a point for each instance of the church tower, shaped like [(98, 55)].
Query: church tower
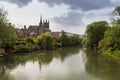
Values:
[(41, 25)]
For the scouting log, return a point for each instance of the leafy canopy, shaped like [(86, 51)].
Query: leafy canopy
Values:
[(94, 33), (7, 31)]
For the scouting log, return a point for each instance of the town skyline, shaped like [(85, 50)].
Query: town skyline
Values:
[(63, 15)]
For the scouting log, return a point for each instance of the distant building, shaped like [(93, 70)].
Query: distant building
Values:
[(22, 32), (58, 34), (34, 30)]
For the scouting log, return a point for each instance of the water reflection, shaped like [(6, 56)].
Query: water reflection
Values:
[(38, 59), (60, 64), (102, 67)]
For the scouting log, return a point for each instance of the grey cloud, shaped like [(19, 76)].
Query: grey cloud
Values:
[(94, 9), (20, 3), (70, 19), (99, 13), (78, 19), (74, 4), (82, 4)]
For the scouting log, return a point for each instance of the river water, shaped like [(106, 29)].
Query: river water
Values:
[(61, 64)]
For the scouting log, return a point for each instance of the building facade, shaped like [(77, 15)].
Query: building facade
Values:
[(34, 30)]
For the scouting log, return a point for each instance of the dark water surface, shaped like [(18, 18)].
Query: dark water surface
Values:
[(60, 64)]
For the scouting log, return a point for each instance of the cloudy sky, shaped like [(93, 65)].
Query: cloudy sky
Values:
[(69, 15)]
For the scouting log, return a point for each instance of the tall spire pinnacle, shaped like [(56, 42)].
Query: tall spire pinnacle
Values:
[(41, 19)]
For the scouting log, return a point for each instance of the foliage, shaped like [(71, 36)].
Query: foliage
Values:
[(113, 54), (64, 39), (45, 41), (7, 31), (110, 44), (57, 42), (25, 47), (117, 11), (30, 40), (94, 33), (116, 17), (75, 41), (67, 41), (115, 22), (111, 39)]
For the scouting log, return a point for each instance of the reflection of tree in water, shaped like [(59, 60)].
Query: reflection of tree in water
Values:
[(3, 71), (65, 52), (99, 66), (44, 58), (10, 62)]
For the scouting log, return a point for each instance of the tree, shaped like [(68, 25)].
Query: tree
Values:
[(94, 33), (117, 11), (45, 41), (65, 40), (7, 31), (116, 17), (110, 44), (75, 41), (111, 40)]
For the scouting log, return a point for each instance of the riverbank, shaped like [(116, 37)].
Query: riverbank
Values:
[(44, 41), (112, 54)]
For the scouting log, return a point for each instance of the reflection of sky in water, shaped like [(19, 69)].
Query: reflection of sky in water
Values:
[(72, 68)]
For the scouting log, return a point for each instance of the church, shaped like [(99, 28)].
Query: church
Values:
[(34, 30)]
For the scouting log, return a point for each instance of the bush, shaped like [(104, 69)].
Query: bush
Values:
[(57, 43), (75, 41), (64, 39), (30, 40), (113, 54), (25, 48), (45, 41), (67, 41), (111, 39)]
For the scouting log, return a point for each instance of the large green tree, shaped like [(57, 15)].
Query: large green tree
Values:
[(7, 31), (110, 44), (94, 33)]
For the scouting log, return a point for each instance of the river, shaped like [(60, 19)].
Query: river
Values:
[(61, 64)]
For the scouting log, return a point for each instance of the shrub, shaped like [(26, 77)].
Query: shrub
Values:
[(45, 41), (25, 48)]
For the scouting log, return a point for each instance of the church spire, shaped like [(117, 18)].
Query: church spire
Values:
[(46, 21), (41, 19)]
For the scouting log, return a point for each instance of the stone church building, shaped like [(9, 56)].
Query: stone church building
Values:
[(34, 30)]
